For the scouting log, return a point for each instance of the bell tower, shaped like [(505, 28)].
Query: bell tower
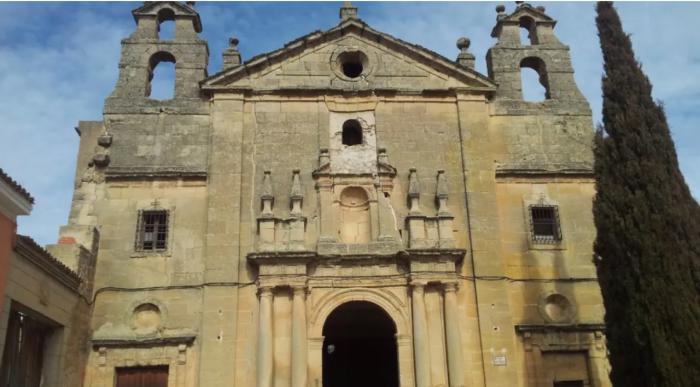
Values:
[(541, 51), (145, 49)]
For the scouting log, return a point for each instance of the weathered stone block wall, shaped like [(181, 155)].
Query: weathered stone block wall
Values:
[(569, 258), (424, 134), (540, 141), (155, 142), (182, 263)]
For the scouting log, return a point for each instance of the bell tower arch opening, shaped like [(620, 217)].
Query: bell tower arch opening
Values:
[(359, 347)]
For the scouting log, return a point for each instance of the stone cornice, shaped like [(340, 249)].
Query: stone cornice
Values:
[(594, 327), (513, 172), (144, 341), (155, 172), (32, 252), (265, 257), (454, 254)]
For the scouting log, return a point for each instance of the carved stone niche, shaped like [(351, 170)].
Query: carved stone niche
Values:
[(355, 213)]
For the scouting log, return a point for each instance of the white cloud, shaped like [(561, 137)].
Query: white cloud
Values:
[(49, 80)]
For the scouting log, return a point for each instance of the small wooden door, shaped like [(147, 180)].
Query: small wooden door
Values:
[(24, 351), (142, 377)]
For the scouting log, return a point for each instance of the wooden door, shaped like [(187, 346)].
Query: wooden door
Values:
[(142, 377), (23, 352)]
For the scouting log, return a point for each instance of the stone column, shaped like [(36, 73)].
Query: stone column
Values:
[(265, 355), (455, 361), (299, 350), (421, 349)]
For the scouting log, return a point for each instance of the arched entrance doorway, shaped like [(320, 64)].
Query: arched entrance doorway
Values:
[(359, 347)]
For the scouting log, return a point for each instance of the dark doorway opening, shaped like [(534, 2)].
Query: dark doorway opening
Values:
[(359, 347), (23, 355)]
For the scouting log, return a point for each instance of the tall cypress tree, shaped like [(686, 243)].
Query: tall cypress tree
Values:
[(647, 251)]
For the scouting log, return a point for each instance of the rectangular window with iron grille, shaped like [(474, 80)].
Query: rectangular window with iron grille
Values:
[(152, 230), (544, 224)]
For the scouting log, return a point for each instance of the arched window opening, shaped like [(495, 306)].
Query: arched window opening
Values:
[(354, 217), (352, 133), (166, 24), (528, 33), (533, 78), (161, 77), (359, 347)]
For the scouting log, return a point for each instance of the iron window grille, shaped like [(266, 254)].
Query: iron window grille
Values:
[(544, 224), (152, 230)]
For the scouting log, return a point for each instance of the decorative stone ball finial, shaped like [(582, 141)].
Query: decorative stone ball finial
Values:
[(541, 8), (519, 3), (465, 58), (500, 8), (233, 42), (232, 57), (463, 44)]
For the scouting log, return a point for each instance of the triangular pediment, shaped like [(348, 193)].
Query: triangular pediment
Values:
[(528, 10), (313, 62), (152, 8)]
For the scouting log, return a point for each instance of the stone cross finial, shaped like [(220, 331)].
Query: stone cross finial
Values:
[(441, 192), (232, 57), (413, 192), (267, 198), (297, 194), (348, 11), (465, 58)]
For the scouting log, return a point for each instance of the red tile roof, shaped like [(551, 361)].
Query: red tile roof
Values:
[(15, 185)]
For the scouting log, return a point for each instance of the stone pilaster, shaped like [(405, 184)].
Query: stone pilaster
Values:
[(421, 350), (265, 351), (453, 339), (299, 340)]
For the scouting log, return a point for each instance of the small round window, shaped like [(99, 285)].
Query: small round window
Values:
[(352, 63)]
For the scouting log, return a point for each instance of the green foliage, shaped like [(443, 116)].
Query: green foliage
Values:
[(648, 243)]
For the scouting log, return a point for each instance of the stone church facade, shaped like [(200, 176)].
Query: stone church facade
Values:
[(348, 210)]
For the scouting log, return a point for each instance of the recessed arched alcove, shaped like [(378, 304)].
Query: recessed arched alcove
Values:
[(359, 347), (354, 216)]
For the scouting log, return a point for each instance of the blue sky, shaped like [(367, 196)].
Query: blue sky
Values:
[(58, 62)]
